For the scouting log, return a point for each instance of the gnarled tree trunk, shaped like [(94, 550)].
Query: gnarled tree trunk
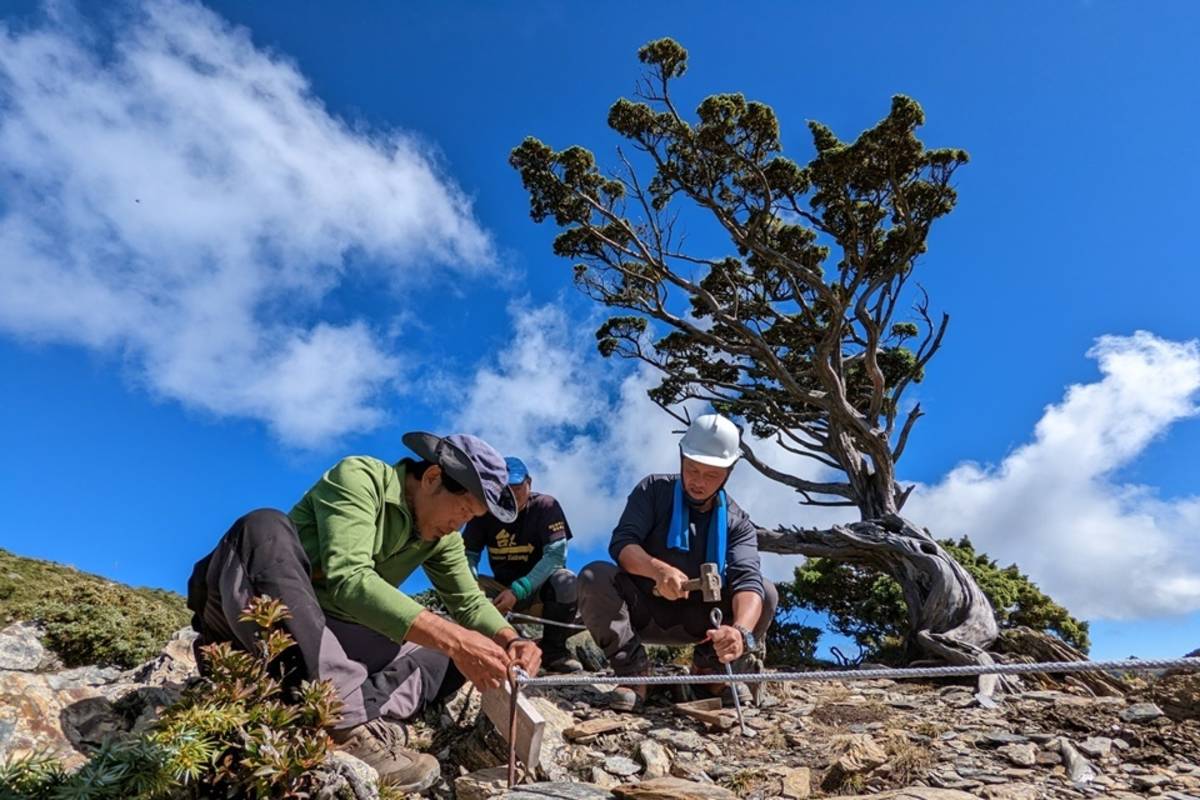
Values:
[(949, 616)]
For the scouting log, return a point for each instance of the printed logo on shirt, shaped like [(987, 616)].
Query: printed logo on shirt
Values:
[(507, 549)]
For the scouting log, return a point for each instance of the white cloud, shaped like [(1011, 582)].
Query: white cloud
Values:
[(184, 200), (1056, 507), (589, 433)]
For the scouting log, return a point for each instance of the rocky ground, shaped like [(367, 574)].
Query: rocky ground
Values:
[(876, 738)]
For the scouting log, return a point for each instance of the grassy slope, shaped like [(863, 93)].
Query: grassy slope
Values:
[(88, 619)]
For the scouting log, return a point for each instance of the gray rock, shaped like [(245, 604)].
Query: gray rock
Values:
[(1022, 755), (622, 766), (684, 741), (1146, 782), (21, 649), (1141, 713), (1079, 769), (1000, 738), (1096, 746), (481, 784), (654, 756), (347, 776)]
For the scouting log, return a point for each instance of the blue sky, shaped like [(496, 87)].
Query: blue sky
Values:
[(238, 243)]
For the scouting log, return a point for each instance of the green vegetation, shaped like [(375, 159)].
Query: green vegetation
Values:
[(88, 620), (868, 606), (236, 733)]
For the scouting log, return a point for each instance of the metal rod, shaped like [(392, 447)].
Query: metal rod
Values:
[(1132, 665), (541, 621), (715, 617), (514, 674)]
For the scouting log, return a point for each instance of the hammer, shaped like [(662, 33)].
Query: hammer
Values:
[(709, 583)]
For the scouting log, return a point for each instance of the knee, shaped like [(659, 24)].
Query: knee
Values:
[(565, 586), (266, 531), (596, 576), (770, 603)]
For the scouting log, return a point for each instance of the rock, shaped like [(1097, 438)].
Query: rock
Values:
[(556, 750), (1179, 696), (557, 790), (1096, 746), (21, 648), (345, 776), (1022, 755), (176, 664), (684, 741), (621, 766), (654, 757), (797, 782), (1079, 769), (1144, 783), (481, 784), (914, 793), (673, 789), (858, 754), (1141, 713), (1011, 791), (603, 779), (586, 731), (1000, 738)]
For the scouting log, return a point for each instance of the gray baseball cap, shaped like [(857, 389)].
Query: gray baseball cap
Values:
[(473, 463)]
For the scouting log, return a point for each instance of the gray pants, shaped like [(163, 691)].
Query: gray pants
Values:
[(621, 613), (373, 675)]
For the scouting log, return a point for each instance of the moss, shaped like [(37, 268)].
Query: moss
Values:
[(88, 619)]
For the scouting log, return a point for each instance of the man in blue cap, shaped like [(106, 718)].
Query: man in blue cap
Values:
[(528, 557), (337, 559)]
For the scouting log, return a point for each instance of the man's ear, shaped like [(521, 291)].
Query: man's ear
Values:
[(432, 477)]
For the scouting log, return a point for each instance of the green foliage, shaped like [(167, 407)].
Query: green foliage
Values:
[(88, 620), (869, 607), (790, 643), (235, 733)]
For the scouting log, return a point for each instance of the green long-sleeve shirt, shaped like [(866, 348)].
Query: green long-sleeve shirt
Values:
[(358, 534)]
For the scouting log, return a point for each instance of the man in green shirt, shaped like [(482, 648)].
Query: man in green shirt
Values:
[(336, 560)]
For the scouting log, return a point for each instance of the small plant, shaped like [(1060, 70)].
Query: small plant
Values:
[(242, 731)]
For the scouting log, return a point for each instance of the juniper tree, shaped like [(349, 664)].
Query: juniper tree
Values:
[(801, 328)]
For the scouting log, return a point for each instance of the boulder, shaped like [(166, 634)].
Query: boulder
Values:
[(21, 648), (672, 789)]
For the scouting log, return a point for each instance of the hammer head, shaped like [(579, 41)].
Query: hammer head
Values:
[(710, 583)]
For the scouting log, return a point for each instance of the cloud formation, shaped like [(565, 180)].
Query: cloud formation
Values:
[(1055, 506), (177, 196)]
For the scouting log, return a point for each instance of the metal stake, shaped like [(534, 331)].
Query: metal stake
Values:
[(716, 617)]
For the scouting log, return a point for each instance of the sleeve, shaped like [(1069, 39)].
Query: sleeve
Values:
[(637, 520), (345, 501), (552, 523), (450, 574), (554, 557), (743, 569)]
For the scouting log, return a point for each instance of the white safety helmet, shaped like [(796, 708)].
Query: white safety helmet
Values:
[(713, 440)]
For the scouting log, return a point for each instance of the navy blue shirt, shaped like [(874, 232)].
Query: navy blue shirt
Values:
[(647, 520)]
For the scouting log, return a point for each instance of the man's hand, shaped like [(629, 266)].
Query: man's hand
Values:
[(670, 582), (482, 661), (525, 654), (505, 601), (727, 641)]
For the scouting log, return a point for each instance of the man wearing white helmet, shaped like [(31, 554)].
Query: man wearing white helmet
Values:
[(671, 525)]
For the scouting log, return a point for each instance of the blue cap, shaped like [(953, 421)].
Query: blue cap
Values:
[(517, 471)]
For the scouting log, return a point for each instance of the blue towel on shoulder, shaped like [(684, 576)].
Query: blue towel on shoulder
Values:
[(718, 529)]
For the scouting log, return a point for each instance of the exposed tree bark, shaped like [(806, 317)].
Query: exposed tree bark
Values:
[(1026, 645), (950, 618)]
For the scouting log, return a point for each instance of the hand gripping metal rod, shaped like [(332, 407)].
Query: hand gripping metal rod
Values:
[(715, 617)]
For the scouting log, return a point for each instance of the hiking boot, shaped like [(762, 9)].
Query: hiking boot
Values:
[(562, 664), (628, 698), (722, 690), (378, 744)]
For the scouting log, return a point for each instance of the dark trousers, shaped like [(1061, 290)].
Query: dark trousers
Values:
[(622, 614), (373, 675), (555, 600)]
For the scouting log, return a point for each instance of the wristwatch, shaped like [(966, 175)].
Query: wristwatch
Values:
[(747, 637)]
